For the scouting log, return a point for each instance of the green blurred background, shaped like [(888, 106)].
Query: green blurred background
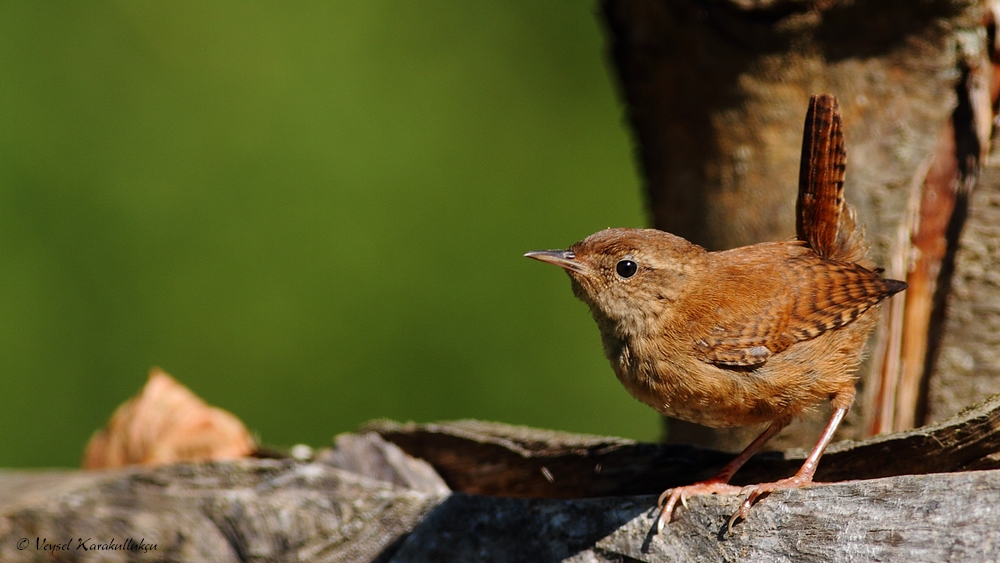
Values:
[(312, 214)]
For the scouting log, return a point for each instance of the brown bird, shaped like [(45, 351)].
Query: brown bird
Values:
[(753, 335)]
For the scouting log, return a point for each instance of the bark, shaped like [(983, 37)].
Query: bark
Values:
[(716, 92), (968, 363)]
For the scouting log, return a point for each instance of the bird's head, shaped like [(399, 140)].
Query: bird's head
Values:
[(628, 275)]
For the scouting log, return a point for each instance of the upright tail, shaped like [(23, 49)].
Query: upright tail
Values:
[(823, 218)]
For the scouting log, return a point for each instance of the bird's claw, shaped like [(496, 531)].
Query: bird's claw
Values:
[(668, 500), (666, 504), (754, 492)]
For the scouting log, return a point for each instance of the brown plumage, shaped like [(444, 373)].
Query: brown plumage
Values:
[(753, 335)]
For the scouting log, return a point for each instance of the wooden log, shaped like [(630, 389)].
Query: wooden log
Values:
[(498, 459), (247, 510), (912, 518), (367, 500)]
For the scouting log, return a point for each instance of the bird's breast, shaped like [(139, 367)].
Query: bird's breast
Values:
[(677, 385)]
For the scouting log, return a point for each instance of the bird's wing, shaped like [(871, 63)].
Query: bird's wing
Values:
[(813, 296)]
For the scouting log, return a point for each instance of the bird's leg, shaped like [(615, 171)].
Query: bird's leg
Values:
[(803, 477), (718, 484)]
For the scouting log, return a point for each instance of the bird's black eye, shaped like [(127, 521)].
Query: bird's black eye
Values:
[(626, 268)]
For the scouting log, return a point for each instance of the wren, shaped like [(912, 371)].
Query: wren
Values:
[(749, 336)]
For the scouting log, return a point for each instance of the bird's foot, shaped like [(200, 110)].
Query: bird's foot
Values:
[(754, 492), (668, 500)]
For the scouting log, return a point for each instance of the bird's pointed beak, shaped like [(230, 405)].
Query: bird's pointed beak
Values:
[(565, 259)]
